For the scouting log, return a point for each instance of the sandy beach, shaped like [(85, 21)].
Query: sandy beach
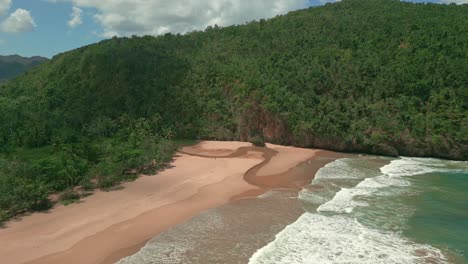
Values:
[(108, 226)]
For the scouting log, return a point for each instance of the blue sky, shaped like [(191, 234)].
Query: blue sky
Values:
[(45, 27), (51, 34)]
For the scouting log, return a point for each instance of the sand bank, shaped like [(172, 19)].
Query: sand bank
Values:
[(107, 226)]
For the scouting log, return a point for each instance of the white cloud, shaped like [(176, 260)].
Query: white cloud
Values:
[(458, 2), (19, 21), (75, 17), (153, 17), (4, 6)]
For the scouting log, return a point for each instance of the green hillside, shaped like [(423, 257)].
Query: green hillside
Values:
[(382, 77)]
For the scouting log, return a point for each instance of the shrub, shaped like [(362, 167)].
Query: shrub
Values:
[(258, 141), (87, 184), (107, 182), (69, 196)]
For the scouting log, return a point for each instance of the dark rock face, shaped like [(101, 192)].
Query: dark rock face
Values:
[(258, 122)]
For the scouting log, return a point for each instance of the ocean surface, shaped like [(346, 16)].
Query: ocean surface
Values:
[(364, 209)]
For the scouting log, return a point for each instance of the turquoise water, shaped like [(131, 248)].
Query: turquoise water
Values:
[(441, 215), (375, 210)]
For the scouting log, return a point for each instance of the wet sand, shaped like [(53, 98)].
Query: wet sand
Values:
[(107, 226)]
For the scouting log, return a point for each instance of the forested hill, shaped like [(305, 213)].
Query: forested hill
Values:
[(14, 65), (381, 76)]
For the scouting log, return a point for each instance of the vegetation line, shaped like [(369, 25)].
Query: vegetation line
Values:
[(382, 77)]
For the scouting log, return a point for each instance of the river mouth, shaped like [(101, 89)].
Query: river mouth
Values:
[(294, 178), (233, 232)]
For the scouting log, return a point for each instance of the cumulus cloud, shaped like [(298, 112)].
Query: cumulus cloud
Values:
[(154, 17), (4, 6), (75, 17), (19, 21)]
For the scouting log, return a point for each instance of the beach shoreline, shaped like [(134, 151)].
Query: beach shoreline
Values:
[(108, 226)]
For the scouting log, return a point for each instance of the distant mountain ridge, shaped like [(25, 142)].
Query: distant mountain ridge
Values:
[(14, 65)]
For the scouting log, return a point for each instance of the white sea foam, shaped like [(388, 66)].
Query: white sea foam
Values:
[(315, 238), (339, 169), (393, 175), (266, 195), (382, 181), (339, 237), (171, 247), (331, 179), (345, 200), (316, 197), (406, 166)]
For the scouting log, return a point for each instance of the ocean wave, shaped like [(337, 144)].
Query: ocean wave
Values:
[(318, 194), (406, 166), (393, 175), (344, 200), (315, 238), (328, 189), (171, 247), (340, 169), (333, 233)]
